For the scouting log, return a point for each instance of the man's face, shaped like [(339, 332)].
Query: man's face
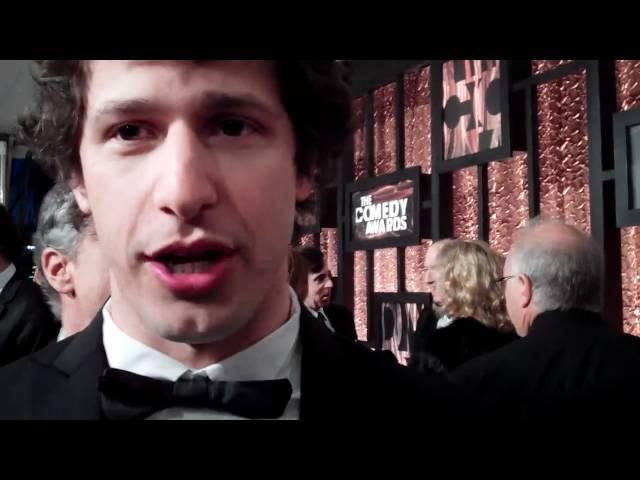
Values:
[(188, 170), (319, 291), (513, 295), (431, 267), (91, 282)]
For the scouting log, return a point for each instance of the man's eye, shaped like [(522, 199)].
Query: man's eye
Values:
[(130, 132), (231, 127)]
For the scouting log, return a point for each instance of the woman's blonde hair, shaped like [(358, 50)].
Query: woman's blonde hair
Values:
[(469, 272)]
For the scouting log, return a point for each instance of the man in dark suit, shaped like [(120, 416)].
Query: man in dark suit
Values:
[(73, 276), (429, 320), (569, 364), (25, 321), (191, 171), (335, 317)]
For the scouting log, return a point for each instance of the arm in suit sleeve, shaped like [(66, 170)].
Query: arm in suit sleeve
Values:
[(351, 330)]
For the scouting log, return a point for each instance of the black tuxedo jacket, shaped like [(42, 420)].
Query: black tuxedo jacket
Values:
[(463, 340), (341, 320), (425, 326), (26, 323), (340, 379), (570, 365)]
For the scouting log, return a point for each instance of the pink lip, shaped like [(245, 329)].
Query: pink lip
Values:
[(192, 284)]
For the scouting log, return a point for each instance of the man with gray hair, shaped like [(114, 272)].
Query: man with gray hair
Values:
[(73, 276), (569, 361), (429, 319)]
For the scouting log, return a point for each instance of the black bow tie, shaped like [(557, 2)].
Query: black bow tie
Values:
[(128, 396)]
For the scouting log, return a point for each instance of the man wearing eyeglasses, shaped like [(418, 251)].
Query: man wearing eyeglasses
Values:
[(569, 365)]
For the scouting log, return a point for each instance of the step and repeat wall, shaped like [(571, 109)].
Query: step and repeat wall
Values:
[(548, 173)]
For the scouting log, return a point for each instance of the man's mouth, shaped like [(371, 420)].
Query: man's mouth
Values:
[(190, 264), (192, 269)]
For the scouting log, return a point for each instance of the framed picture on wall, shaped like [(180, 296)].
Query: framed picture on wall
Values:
[(626, 137), (384, 211), (471, 113), (393, 325)]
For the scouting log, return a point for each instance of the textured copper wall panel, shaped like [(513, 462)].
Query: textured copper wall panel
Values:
[(630, 239), (307, 239), (563, 150), (465, 203), (384, 130), (417, 118), (628, 94), (508, 200), (359, 138), (360, 258), (539, 66), (329, 246), (628, 84), (360, 293), (385, 270), (415, 280), (417, 131)]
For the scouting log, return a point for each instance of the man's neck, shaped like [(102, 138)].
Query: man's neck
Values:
[(270, 315), (71, 316)]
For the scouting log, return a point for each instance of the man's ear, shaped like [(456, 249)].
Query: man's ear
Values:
[(58, 271), (80, 192), (304, 189), (526, 291)]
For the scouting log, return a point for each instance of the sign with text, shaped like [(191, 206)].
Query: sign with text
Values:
[(385, 211)]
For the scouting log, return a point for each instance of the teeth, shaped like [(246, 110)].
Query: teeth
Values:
[(189, 268)]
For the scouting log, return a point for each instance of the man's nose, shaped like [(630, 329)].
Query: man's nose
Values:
[(188, 179)]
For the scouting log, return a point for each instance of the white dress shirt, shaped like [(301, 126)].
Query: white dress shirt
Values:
[(275, 356), (444, 322), (6, 275), (320, 313)]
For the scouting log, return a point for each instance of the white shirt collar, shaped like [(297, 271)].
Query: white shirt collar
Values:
[(6, 275), (444, 321), (268, 359)]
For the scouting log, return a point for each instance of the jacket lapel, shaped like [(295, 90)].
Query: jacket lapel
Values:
[(9, 292), (69, 387), (324, 369)]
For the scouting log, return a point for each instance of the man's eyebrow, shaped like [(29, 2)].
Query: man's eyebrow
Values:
[(209, 101)]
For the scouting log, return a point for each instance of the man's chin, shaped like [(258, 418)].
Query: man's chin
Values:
[(201, 336)]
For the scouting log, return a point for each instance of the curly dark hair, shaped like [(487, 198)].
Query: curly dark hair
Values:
[(315, 94)]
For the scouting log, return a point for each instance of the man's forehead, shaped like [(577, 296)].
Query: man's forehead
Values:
[(126, 78), (324, 271)]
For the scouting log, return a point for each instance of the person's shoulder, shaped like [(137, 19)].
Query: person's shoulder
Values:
[(28, 290), (501, 358), (22, 368), (338, 309), (374, 371)]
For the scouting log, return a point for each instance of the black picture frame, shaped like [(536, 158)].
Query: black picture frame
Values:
[(375, 327), (502, 152), (623, 122), (414, 173)]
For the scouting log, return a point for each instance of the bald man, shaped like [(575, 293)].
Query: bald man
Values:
[(568, 362), (429, 320)]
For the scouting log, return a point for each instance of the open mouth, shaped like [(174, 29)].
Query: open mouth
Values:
[(190, 264), (192, 269)]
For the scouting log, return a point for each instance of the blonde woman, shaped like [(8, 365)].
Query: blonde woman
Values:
[(469, 299)]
